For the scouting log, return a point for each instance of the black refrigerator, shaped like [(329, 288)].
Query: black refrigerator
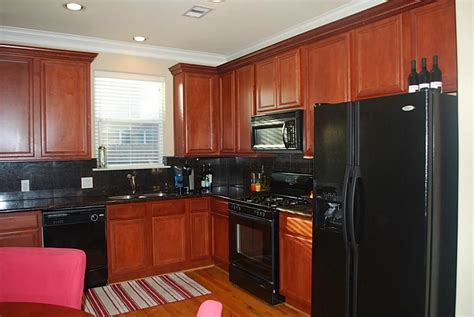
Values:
[(385, 218)]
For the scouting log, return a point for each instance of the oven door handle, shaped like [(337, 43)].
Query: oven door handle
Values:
[(248, 217)]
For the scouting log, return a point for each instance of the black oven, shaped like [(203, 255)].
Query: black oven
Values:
[(254, 251), (278, 132)]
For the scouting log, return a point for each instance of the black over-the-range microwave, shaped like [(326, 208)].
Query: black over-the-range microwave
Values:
[(278, 132)]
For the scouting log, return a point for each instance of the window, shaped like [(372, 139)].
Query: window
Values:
[(129, 117)]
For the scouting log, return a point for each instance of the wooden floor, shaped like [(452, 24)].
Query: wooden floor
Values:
[(236, 302)]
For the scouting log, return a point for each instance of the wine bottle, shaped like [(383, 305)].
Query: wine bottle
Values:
[(203, 178), (435, 75), (413, 81), (209, 176), (424, 76)]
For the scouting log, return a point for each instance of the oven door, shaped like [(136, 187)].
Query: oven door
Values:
[(251, 244)]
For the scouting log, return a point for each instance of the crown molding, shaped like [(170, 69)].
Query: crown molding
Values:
[(84, 43), (344, 11)]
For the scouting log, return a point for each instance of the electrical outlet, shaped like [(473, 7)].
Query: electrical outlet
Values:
[(86, 182), (25, 185)]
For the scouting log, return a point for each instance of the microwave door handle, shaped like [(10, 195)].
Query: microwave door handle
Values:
[(284, 136)]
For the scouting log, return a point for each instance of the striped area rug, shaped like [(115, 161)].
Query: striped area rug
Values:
[(128, 296)]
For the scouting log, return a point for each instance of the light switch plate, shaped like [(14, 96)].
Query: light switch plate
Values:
[(25, 185), (86, 182)]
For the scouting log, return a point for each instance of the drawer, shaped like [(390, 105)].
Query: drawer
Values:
[(126, 211), (19, 221), (168, 207), (199, 204), (220, 206), (296, 225)]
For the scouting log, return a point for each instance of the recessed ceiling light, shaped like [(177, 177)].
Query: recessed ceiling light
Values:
[(139, 38), (216, 1), (74, 6), (197, 12)]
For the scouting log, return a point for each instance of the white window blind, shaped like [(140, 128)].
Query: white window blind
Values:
[(129, 116)]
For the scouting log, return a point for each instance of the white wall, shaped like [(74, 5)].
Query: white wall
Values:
[(465, 45), (145, 66)]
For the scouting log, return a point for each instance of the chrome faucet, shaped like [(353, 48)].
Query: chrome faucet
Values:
[(131, 180)]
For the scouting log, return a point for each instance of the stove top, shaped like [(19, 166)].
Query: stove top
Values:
[(274, 201)]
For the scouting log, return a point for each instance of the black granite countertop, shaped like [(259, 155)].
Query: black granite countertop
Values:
[(81, 201)]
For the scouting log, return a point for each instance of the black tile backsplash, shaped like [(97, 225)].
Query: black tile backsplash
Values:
[(63, 178)]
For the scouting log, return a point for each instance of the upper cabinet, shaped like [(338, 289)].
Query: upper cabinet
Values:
[(434, 33), (245, 105), (278, 82), (196, 110), (381, 58), (44, 104), (227, 112), (326, 75)]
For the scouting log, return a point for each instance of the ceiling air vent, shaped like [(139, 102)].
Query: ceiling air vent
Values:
[(197, 12)]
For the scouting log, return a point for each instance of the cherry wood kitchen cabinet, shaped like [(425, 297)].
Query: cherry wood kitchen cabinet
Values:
[(296, 260), (227, 131), (169, 233), (381, 57), (278, 82), (196, 110), (326, 76), (44, 103), (434, 33), (20, 229), (245, 107), (220, 232), (199, 230), (128, 242), (16, 107)]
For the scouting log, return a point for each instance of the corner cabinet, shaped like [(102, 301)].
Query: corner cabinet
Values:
[(245, 108), (44, 104), (196, 110)]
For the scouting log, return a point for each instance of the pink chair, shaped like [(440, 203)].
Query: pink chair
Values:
[(210, 308), (37, 275)]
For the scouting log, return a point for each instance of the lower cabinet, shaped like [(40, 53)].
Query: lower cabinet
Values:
[(128, 241), (20, 229), (149, 238), (296, 260), (220, 233)]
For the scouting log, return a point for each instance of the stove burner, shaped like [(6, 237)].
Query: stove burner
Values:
[(271, 201)]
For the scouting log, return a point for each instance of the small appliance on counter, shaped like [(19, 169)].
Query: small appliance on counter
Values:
[(178, 179), (253, 233)]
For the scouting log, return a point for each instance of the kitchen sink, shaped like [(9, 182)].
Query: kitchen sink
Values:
[(142, 196), (123, 197)]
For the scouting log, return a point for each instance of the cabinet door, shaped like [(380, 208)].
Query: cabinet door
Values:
[(65, 109), (220, 240), (200, 246), (381, 58), (202, 113), (265, 85), (25, 238), (227, 113), (295, 270), (288, 80), (434, 33), (128, 239), (169, 239), (16, 107), (244, 78), (326, 74)]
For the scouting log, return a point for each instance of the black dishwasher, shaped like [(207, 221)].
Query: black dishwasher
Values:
[(80, 228)]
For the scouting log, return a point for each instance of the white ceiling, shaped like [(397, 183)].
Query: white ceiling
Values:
[(232, 29)]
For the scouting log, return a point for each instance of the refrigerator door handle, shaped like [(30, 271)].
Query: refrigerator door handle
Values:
[(346, 204), (353, 210)]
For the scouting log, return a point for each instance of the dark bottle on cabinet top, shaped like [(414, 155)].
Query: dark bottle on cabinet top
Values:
[(435, 75), (424, 76), (413, 81)]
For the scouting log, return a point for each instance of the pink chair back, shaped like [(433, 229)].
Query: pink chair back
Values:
[(37, 275), (210, 308)]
